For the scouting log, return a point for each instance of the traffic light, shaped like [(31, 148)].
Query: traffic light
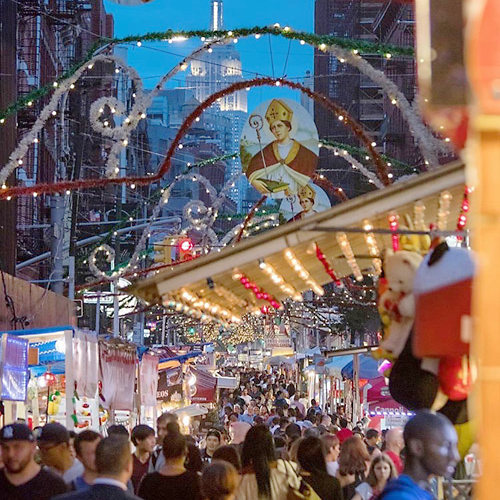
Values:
[(186, 247), (163, 251)]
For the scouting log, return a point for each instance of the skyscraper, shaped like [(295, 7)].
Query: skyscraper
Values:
[(214, 71)]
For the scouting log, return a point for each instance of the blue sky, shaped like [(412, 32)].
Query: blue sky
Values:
[(154, 59)]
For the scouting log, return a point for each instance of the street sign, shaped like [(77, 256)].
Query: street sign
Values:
[(91, 297), (78, 307)]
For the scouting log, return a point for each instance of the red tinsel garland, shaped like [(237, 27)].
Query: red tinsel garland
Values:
[(464, 210), (259, 293), (357, 129), (329, 270), (327, 185)]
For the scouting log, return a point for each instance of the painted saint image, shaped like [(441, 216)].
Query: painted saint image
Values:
[(306, 197), (309, 201), (279, 163)]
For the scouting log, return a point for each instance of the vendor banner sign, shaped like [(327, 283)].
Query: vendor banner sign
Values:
[(14, 375), (204, 389), (170, 385), (148, 379), (85, 363), (117, 376)]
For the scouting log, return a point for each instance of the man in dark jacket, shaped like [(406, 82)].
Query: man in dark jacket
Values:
[(431, 449), (114, 466)]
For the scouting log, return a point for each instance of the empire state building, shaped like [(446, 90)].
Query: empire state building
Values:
[(214, 71), (218, 69)]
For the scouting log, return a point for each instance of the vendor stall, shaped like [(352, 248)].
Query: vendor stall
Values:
[(53, 357), (330, 243)]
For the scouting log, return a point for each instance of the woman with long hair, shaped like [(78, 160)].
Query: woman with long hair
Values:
[(219, 481), (382, 470), (353, 461), (263, 477), (173, 481), (312, 463)]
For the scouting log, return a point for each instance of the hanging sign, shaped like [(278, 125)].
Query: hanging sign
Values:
[(14, 374)]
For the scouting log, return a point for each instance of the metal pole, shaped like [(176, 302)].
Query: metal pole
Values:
[(71, 273), (355, 366), (116, 316), (98, 313), (164, 324), (92, 239), (56, 219), (116, 308)]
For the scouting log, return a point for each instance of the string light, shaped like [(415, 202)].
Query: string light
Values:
[(393, 219), (277, 279), (229, 296), (345, 246), (444, 210), (419, 216), (302, 272)]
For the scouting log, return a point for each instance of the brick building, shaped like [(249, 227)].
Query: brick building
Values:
[(388, 22)]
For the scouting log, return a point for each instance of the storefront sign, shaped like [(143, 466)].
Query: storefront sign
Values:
[(14, 368), (170, 385)]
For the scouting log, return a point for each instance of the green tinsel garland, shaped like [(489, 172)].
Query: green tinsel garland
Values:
[(317, 41), (360, 153)]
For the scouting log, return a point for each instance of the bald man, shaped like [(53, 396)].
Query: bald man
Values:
[(394, 445), (431, 449)]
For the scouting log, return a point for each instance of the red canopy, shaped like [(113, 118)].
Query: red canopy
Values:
[(380, 401)]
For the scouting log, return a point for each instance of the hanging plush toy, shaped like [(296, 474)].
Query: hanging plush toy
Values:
[(54, 403), (434, 370), (397, 304), (443, 293)]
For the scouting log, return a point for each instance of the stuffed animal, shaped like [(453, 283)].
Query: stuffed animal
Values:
[(442, 381), (397, 304), (54, 403)]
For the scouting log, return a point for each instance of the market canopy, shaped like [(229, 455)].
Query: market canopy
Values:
[(368, 368), (212, 285)]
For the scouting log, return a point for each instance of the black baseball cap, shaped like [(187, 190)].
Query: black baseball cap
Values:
[(16, 432), (54, 433)]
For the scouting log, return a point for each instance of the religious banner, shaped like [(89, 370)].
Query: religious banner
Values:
[(117, 376), (85, 363), (148, 379), (279, 148)]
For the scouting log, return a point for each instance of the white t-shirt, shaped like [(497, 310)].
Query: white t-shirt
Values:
[(332, 468), (365, 491), (76, 470), (246, 398)]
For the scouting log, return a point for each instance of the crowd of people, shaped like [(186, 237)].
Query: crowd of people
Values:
[(267, 444)]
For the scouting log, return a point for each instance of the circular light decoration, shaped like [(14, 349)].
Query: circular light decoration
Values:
[(186, 245), (131, 3)]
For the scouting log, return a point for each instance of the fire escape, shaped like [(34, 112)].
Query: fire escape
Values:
[(46, 37)]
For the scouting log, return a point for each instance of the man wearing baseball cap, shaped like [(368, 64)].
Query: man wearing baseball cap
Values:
[(22, 478), (55, 451)]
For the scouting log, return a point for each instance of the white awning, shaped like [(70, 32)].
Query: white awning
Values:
[(198, 277)]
